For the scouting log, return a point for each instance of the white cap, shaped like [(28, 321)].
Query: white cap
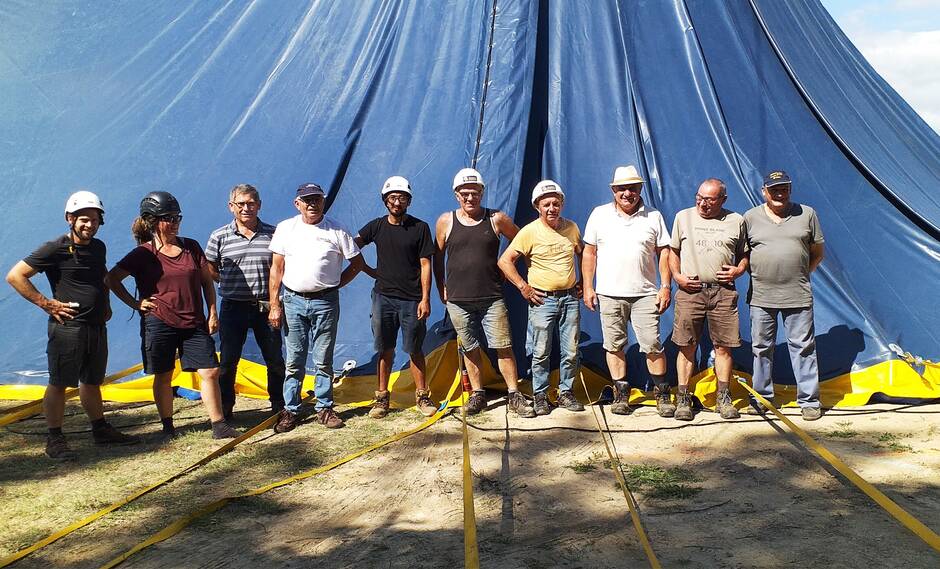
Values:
[(468, 176), (396, 184), (626, 176), (82, 200), (546, 187)]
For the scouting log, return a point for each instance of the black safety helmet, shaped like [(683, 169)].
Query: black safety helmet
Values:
[(159, 204)]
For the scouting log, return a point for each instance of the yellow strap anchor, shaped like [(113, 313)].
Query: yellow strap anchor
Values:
[(899, 513)]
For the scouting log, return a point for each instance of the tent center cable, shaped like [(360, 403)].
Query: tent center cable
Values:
[(896, 511), (486, 85)]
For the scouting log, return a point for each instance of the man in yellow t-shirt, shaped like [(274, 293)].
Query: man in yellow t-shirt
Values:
[(551, 246)]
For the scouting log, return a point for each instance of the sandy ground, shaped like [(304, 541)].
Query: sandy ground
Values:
[(543, 498)]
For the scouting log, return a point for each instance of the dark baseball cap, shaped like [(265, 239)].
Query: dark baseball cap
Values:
[(776, 178), (309, 190)]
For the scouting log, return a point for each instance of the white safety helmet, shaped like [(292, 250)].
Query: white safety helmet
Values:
[(84, 199), (468, 176), (546, 187), (396, 184)]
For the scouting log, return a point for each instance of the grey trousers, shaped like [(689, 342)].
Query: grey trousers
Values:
[(801, 342)]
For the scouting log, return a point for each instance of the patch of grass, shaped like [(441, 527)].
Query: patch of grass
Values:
[(843, 430), (899, 447), (662, 483), (887, 437), (582, 466)]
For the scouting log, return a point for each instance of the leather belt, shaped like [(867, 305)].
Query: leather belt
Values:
[(312, 295), (573, 291)]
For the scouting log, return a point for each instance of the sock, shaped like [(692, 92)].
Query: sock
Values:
[(511, 391), (724, 386), (168, 425), (55, 431), (660, 381), (683, 388), (99, 424)]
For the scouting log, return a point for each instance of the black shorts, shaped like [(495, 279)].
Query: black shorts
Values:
[(390, 314), (77, 352), (159, 344)]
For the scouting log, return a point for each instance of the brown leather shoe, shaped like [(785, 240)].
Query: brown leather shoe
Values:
[(286, 421), (58, 449), (664, 405), (380, 407), (329, 419), (621, 403), (424, 403)]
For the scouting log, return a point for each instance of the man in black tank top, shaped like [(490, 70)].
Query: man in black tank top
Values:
[(470, 285)]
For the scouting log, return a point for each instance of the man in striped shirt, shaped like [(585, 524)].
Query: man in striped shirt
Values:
[(241, 263)]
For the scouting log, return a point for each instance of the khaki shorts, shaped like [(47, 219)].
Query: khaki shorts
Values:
[(640, 311), (719, 305)]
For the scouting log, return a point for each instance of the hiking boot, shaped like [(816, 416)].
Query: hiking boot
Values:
[(542, 405), (424, 403), (811, 413), (380, 407), (567, 400), (519, 405), (329, 419), (683, 410), (222, 430), (755, 407), (725, 405), (476, 402), (621, 404), (58, 449), (108, 435), (664, 405), (286, 421)]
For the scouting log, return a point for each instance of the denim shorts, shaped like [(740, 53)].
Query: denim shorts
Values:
[(160, 343), (77, 352), (390, 314), (474, 320)]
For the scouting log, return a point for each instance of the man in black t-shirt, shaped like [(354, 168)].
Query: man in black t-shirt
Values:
[(75, 265), (401, 298)]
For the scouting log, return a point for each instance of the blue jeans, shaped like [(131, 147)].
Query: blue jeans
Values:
[(801, 341), (305, 319), (235, 319), (563, 313)]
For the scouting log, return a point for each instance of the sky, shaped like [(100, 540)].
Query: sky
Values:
[(901, 40)]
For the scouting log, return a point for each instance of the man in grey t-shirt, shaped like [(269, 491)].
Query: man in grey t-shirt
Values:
[(786, 244)]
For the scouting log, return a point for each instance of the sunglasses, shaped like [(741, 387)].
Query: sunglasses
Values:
[(171, 218)]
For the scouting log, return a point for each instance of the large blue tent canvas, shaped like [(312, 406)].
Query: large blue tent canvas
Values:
[(123, 98)]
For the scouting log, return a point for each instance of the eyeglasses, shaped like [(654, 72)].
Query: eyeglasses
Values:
[(632, 189), (705, 199), (171, 218), (398, 199), (245, 205), (468, 196), (310, 200)]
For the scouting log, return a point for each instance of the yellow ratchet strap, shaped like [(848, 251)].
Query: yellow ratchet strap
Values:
[(627, 495), (899, 513), (128, 499), (471, 550), (181, 523), (31, 408)]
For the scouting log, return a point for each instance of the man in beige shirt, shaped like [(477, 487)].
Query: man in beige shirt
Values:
[(551, 245)]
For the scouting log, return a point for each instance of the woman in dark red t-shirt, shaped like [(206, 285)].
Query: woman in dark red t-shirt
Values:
[(172, 277)]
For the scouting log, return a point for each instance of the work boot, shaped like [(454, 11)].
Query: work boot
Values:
[(108, 435), (567, 400), (286, 421), (380, 407), (424, 403), (725, 405), (811, 413), (222, 430), (542, 405), (664, 405), (755, 407), (329, 419), (476, 402), (683, 406), (58, 449), (519, 405), (621, 404)]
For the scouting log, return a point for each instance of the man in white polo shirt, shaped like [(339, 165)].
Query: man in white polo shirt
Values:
[(308, 260), (625, 243)]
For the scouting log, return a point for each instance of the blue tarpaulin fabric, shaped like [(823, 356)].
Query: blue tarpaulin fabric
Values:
[(123, 98)]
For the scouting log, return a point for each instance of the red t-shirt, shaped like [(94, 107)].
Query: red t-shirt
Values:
[(174, 283)]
